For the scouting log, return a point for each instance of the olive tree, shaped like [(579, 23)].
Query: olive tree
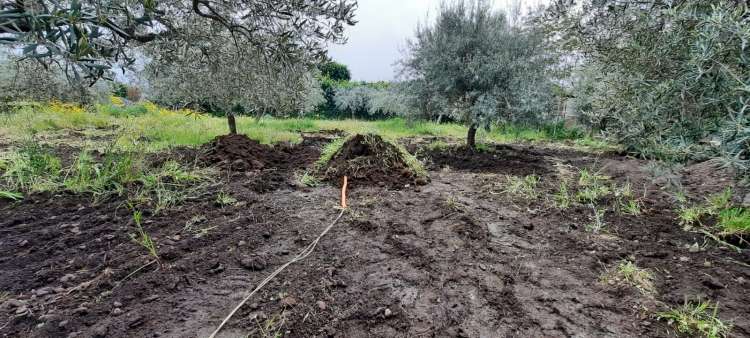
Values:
[(23, 79), (353, 98), (215, 73), (389, 101), (87, 37), (478, 66), (667, 74)]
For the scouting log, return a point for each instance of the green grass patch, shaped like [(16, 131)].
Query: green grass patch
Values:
[(734, 221), (698, 319)]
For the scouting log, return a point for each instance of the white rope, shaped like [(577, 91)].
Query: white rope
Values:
[(302, 255)]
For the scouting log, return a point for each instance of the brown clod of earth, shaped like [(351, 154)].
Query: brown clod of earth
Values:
[(270, 168), (368, 160)]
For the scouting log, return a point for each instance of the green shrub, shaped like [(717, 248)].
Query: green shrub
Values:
[(559, 132)]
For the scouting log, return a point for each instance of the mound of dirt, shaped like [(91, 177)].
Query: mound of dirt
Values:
[(368, 160), (239, 153), (263, 168)]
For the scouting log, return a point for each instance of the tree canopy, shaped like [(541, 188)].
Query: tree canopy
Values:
[(662, 76), (477, 65), (335, 71), (88, 37)]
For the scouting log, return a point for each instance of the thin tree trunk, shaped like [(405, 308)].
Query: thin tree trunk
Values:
[(232, 123), (354, 116), (409, 123), (471, 137), (440, 118), (259, 116)]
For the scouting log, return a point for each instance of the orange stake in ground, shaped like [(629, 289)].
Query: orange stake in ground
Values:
[(343, 194)]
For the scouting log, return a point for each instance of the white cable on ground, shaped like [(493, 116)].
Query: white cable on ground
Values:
[(302, 255)]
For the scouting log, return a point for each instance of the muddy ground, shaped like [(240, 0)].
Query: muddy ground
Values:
[(453, 258)]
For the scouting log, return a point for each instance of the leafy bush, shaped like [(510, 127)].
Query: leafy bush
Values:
[(672, 83), (558, 131)]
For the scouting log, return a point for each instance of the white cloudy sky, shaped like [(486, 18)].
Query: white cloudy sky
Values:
[(382, 27)]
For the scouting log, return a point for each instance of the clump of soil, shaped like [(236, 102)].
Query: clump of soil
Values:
[(236, 152), (368, 160), (261, 168)]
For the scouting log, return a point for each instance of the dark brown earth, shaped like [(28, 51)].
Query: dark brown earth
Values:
[(261, 167), (368, 160), (452, 259)]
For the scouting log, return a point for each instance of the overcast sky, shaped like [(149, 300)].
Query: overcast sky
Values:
[(382, 27)]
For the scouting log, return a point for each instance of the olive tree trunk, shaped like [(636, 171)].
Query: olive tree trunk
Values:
[(232, 123), (472, 136), (260, 115)]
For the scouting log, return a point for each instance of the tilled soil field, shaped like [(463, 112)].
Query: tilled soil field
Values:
[(459, 256)]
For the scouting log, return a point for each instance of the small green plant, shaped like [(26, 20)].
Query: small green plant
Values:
[(590, 178), (437, 144), (484, 147), (690, 215), (721, 201), (525, 187), (329, 152), (700, 318), (10, 195), (640, 278), (103, 295), (457, 207), (597, 220), (224, 199), (563, 195), (32, 168), (143, 238), (592, 187), (632, 207), (734, 221), (307, 179), (624, 191)]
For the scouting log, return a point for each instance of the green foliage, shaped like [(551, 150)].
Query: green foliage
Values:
[(592, 187), (10, 195), (119, 89), (734, 221), (143, 238), (125, 111), (335, 71), (563, 195), (299, 125), (524, 187), (691, 104), (479, 67), (437, 144), (632, 207), (559, 132), (33, 168), (224, 199), (700, 318), (597, 220), (640, 278), (89, 176), (89, 37), (329, 152)]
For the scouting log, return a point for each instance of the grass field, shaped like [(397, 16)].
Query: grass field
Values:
[(165, 128)]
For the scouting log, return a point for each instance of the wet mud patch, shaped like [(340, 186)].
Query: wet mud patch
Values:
[(401, 263), (368, 160), (503, 159)]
